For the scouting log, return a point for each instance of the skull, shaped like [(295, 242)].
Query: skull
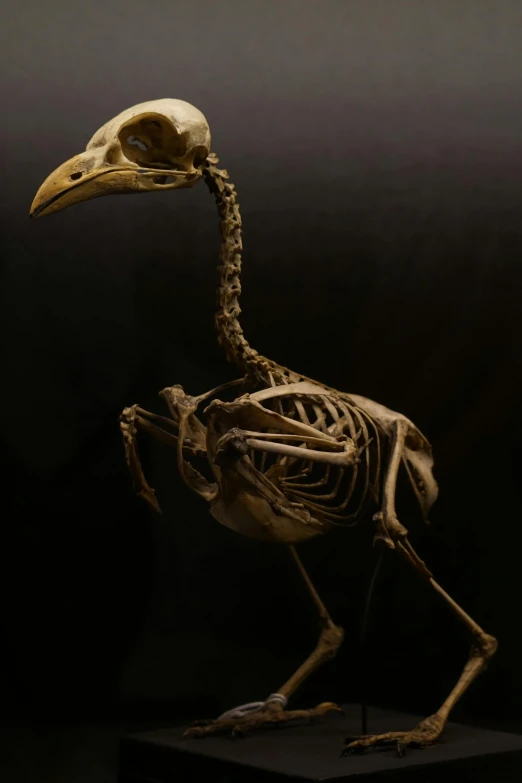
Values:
[(158, 145)]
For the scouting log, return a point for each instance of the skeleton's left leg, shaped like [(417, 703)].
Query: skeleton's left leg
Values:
[(394, 535), (273, 711)]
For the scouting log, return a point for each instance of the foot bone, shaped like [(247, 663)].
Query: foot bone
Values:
[(426, 733), (272, 715)]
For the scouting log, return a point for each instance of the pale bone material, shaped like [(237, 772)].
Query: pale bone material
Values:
[(158, 145), (289, 458)]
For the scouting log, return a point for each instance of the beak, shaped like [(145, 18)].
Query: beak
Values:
[(78, 179)]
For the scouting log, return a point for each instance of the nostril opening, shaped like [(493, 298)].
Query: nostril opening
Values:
[(164, 180), (77, 175)]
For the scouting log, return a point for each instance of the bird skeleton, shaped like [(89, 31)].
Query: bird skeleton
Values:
[(287, 458)]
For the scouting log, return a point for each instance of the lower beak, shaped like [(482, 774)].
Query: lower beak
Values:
[(77, 180)]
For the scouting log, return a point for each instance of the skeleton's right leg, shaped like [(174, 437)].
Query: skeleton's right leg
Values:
[(329, 641), (273, 712)]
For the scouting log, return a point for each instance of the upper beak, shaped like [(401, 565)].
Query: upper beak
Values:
[(75, 181), (78, 179)]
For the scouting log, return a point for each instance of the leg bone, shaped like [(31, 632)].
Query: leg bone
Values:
[(394, 535), (272, 712)]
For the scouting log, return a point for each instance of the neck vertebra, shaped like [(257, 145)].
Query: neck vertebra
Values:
[(230, 333)]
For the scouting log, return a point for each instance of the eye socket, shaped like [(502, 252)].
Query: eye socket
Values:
[(137, 143), (77, 175)]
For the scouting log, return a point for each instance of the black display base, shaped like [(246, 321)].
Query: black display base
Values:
[(311, 752)]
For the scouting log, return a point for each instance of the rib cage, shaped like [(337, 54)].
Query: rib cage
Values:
[(336, 495)]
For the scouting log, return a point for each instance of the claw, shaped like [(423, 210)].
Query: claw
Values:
[(238, 733), (328, 706), (353, 750)]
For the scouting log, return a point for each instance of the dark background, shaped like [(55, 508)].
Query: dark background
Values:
[(376, 148)]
